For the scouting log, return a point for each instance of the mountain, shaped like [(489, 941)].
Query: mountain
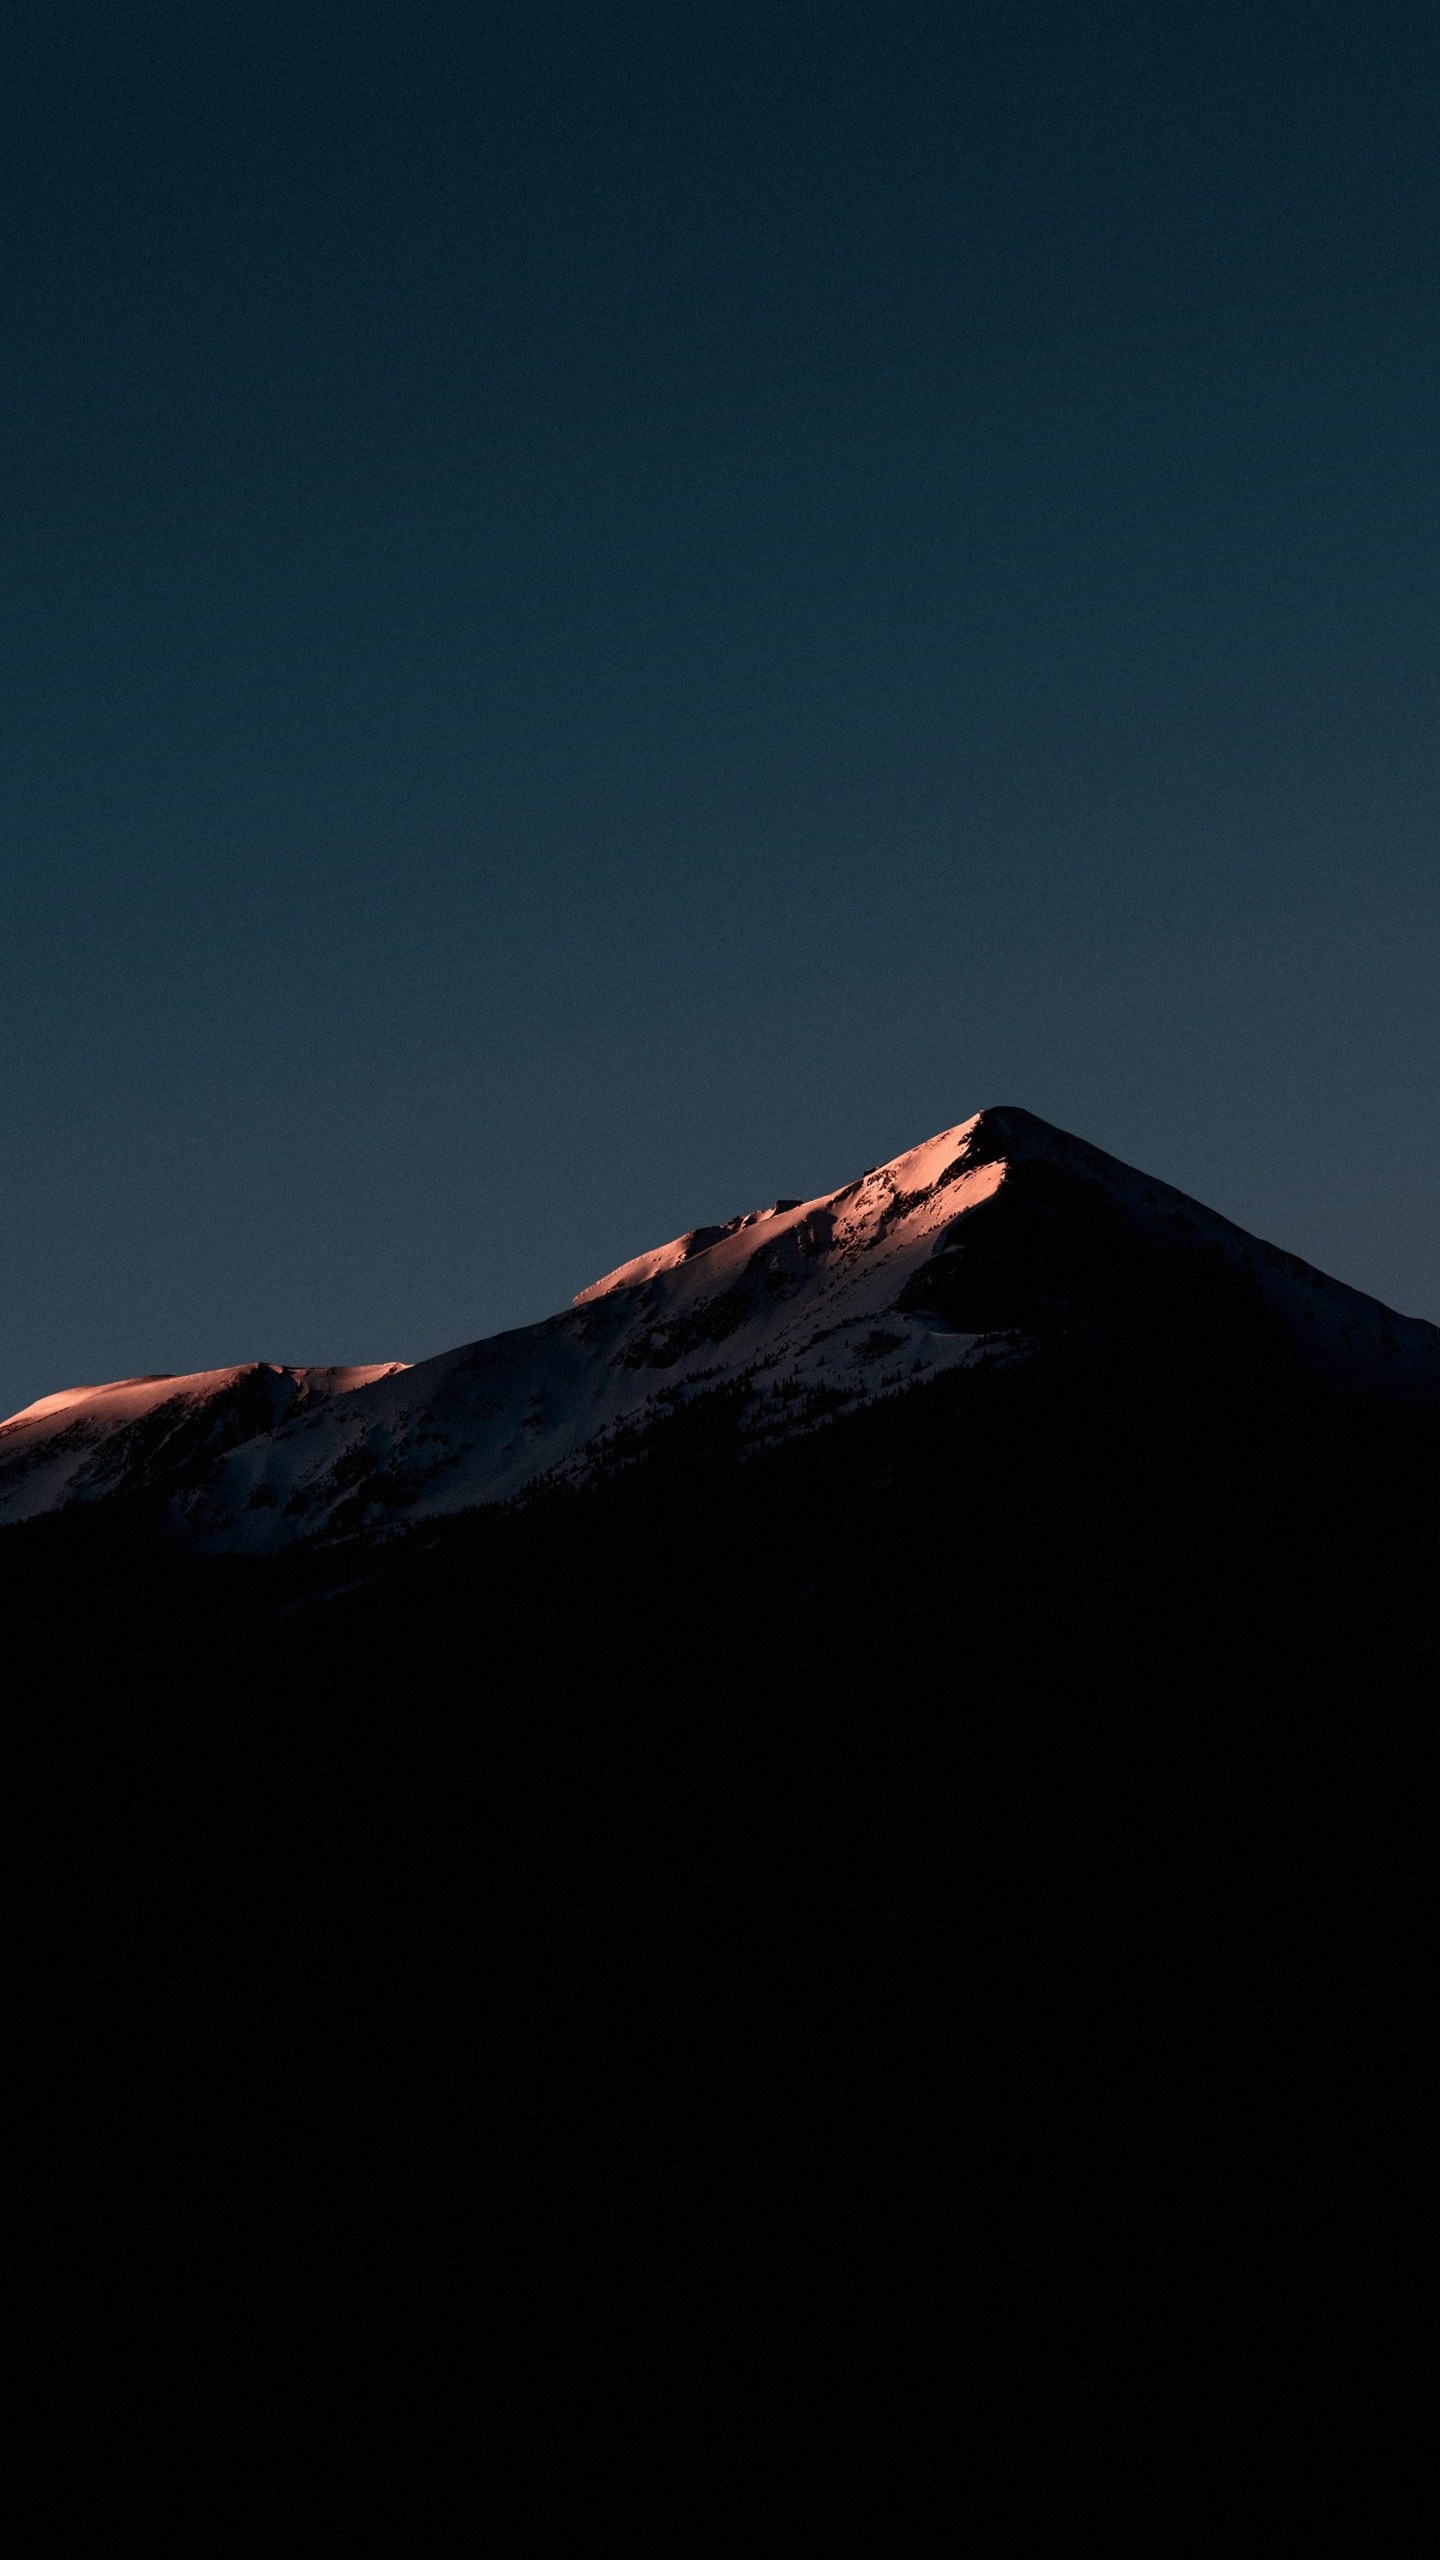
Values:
[(982, 1247), (906, 1853)]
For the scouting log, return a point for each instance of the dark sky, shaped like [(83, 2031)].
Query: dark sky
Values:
[(612, 610)]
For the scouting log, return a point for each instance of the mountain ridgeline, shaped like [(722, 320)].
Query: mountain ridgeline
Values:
[(993, 1243), (849, 1802)]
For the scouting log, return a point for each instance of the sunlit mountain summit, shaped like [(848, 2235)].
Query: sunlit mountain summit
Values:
[(997, 1242)]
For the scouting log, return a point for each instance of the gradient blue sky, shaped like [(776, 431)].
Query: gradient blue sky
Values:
[(609, 611)]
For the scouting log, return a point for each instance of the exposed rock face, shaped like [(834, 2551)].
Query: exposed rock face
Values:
[(994, 1239)]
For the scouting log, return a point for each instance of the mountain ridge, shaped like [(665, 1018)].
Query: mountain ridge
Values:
[(995, 1236)]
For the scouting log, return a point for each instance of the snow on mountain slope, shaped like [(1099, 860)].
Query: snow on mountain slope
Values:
[(969, 1248), (786, 1301), (138, 1433)]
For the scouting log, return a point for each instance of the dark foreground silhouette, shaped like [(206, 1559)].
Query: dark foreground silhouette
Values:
[(885, 1982)]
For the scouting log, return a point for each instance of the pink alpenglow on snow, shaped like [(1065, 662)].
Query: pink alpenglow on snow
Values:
[(805, 1311), (86, 1442)]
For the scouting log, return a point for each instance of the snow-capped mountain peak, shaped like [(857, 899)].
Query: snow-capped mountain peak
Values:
[(997, 1235)]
